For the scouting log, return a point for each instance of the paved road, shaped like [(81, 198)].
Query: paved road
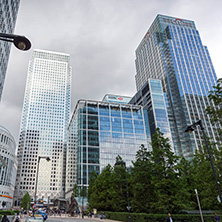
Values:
[(71, 219)]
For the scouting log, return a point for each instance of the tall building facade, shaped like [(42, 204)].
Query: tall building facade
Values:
[(99, 131), (151, 97), (172, 51), (8, 168), (8, 15), (44, 122)]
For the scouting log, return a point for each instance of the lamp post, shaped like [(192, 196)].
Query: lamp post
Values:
[(82, 201), (81, 182), (191, 128), (20, 42), (119, 164), (37, 173)]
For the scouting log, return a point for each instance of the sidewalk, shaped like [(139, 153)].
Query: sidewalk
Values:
[(85, 218)]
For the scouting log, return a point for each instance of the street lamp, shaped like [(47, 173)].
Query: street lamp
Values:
[(81, 181), (37, 173), (82, 201), (191, 128), (20, 42), (119, 164)]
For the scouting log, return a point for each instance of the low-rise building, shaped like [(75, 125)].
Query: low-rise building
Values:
[(8, 168)]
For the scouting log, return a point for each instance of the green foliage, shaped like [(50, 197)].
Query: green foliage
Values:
[(9, 212), (140, 181), (75, 191), (205, 181), (164, 173), (159, 182), (26, 201), (103, 193), (73, 204), (215, 111), (143, 217)]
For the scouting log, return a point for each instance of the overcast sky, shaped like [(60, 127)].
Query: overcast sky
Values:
[(101, 37)]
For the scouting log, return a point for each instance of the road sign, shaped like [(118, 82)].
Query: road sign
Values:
[(128, 208)]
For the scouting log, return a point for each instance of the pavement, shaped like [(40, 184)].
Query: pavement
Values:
[(74, 218)]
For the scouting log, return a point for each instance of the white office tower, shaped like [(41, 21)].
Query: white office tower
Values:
[(44, 123)]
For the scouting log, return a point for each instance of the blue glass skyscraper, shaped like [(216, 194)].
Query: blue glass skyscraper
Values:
[(173, 52), (151, 97)]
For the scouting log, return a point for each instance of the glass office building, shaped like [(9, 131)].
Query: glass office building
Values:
[(8, 15), (173, 52), (44, 124), (152, 98), (99, 132)]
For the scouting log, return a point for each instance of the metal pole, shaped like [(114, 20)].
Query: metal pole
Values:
[(211, 161), (37, 174), (127, 191), (82, 200), (198, 201)]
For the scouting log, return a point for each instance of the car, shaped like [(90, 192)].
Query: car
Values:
[(34, 219), (39, 213)]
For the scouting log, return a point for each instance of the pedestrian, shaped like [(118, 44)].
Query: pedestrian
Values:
[(5, 219), (216, 217), (17, 219), (169, 218), (101, 217)]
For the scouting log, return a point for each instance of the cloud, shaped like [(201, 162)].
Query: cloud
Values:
[(101, 37)]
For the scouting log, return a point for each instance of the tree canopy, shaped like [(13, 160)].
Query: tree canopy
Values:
[(26, 201), (159, 182)]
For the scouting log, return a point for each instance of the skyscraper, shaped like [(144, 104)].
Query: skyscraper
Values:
[(151, 97), (8, 15), (45, 118), (173, 52)]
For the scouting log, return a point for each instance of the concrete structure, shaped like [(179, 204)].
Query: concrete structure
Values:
[(8, 167), (8, 15), (172, 51), (44, 122)]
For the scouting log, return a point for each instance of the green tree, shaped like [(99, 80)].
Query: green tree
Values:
[(204, 179), (141, 186), (120, 174), (215, 109), (73, 204), (26, 201), (187, 183), (165, 177), (101, 195), (91, 188)]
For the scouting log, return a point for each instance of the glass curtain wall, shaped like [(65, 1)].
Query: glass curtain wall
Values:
[(106, 130)]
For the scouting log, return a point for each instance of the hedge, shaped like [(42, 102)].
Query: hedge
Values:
[(142, 217)]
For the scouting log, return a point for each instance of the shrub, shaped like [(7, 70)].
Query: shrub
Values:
[(143, 217)]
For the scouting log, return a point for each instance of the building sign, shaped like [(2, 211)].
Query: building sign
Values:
[(178, 21), (116, 99), (7, 196)]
